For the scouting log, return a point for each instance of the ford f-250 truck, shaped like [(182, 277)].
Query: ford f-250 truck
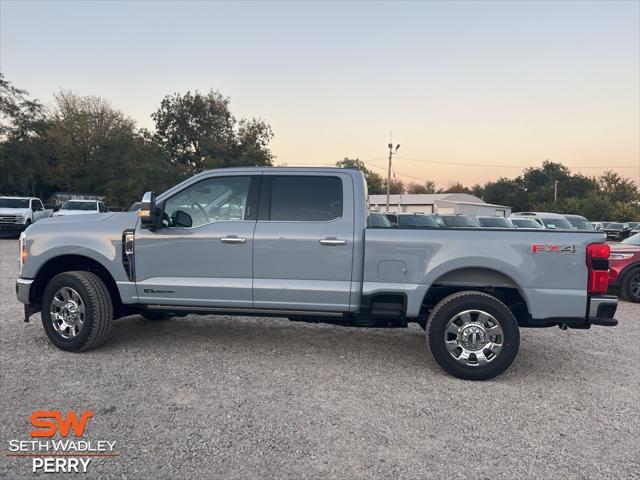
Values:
[(294, 242), (17, 213)]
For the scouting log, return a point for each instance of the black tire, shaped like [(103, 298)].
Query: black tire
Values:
[(627, 287), (448, 309), (156, 316), (98, 316)]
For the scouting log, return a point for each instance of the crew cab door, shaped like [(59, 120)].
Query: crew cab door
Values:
[(303, 242), (201, 256)]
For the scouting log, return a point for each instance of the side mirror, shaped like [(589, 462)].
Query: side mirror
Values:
[(147, 212), (182, 219)]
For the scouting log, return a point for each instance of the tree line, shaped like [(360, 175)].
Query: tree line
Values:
[(83, 145), (608, 196)]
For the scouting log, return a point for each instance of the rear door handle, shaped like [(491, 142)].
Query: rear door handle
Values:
[(233, 240), (332, 242)]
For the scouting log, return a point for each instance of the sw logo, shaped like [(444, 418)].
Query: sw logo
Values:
[(537, 248), (48, 422), (70, 452)]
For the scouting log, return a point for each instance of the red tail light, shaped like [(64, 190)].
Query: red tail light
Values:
[(598, 267)]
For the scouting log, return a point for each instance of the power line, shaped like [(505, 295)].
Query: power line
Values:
[(464, 164)]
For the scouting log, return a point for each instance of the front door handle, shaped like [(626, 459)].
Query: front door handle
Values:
[(233, 240), (332, 242)]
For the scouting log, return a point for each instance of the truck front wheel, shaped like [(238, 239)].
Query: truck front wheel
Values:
[(473, 335), (77, 311)]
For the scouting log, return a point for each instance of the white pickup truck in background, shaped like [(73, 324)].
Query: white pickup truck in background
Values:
[(17, 213)]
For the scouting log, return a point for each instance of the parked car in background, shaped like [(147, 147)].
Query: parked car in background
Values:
[(600, 225), (494, 222), (579, 222), (617, 231), (636, 229), (80, 207), (17, 213), (376, 219), (632, 225), (522, 222), (624, 268), (456, 221), (552, 221), (415, 220), (135, 206)]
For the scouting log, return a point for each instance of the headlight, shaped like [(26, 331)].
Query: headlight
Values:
[(620, 256), (22, 244)]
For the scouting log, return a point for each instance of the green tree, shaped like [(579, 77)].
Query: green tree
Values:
[(617, 188), (97, 150), (426, 187), (199, 132), (374, 180), (23, 157)]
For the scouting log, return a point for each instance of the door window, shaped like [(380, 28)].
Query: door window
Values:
[(37, 206), (212, 200), (305, 199)]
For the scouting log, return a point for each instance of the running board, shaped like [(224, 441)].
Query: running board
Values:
[(280, 313)]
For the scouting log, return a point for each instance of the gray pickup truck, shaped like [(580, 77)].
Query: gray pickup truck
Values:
[(294, 242)]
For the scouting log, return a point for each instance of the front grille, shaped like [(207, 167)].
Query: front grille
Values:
[(10, 219)]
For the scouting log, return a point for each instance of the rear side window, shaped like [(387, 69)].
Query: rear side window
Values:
[(305, 199)]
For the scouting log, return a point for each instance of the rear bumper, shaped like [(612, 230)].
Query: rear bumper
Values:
[(600, 311)]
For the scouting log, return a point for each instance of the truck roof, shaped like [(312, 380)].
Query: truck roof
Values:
[(280, 169)]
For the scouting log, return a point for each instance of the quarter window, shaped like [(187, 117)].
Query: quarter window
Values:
[(305, 199), (211, 200)]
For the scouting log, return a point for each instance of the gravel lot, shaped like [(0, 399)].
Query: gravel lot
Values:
[(224, 397)]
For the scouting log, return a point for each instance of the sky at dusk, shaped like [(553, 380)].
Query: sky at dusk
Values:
[(463, 86)]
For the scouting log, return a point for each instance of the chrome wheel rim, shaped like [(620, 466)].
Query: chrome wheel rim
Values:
[(473, 338), (67, 313), (634, 285)]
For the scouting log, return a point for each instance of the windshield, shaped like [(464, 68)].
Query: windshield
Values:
[(14, 203), (633, 240), (379, 220), (581, 224), (557, 223), (458, 221), (525, 223), (73, 205), (417, 221), (495, 222), (615, 226)]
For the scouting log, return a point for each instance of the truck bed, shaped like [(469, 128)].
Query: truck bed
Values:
[(543, 265)]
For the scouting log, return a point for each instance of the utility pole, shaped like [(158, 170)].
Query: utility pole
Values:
[(391, 153), (555, 191)]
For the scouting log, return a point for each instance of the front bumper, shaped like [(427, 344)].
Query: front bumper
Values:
[(23, 290), (12, 227)]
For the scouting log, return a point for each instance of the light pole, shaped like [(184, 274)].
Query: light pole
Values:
[(391, 153)]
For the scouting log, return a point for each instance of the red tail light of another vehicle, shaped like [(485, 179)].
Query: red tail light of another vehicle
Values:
[(598, 267)]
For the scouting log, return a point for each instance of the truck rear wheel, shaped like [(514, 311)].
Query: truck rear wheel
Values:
[(77, 311), (473, 335)]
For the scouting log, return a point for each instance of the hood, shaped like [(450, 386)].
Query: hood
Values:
[(14, 211), (64, 213), (85, 218)]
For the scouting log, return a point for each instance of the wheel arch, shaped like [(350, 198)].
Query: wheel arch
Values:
[(483, 279), (68, 263)]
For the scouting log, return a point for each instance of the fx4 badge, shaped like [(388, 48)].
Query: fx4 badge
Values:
[(557, 249)]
